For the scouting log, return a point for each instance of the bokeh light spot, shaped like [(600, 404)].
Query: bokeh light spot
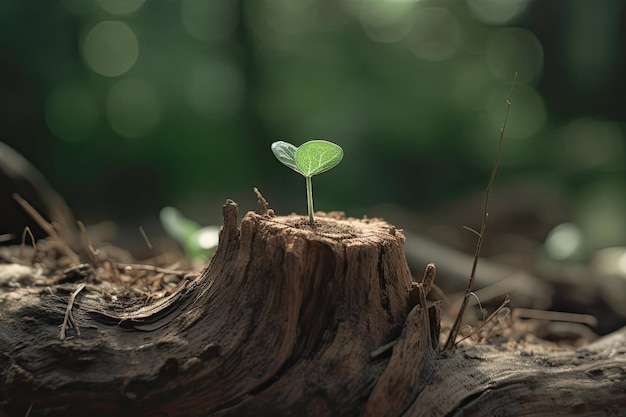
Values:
[(436, 34), (564, 241), (71, 111), (120, 6), (208, 237), (110, 48), (497, 12), (386, 22), (512, 50), (133, 108)]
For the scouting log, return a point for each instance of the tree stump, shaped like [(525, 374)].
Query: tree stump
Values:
[(285, 320)]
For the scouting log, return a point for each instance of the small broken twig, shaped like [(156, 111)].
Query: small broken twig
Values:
[(428, 279), (69, 319), (265, 210)]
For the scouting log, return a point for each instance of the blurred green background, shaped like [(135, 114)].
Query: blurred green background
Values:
[(131, 105)]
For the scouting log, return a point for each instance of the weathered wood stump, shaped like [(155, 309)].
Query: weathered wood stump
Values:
[(285, 320)]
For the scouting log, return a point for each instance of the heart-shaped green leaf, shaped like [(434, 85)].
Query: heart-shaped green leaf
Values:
[(286, 153), (312, 158), (317, 156)]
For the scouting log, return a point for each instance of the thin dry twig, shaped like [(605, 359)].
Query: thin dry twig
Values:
[(530, 313), (454, 332), (29, 409), (144, 235), (32, 240), (126, 267), (47, 227), (69, 319), (492, 316), (91, 251), (5, 237), (73, 273), (113, 269), (480, 305)]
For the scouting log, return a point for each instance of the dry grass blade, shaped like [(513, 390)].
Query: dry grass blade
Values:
[(68, 319), (492, 316), (91, 251), (145, 237), (5, 237), (151, 268), (47, 227), (28, 232)]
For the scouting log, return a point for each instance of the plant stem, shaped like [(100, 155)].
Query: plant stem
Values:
[(456, 327), (309, 200)]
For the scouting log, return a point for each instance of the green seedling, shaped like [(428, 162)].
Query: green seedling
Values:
[(311, 158), (199, 242)]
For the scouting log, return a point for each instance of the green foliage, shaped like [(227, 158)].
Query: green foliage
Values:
[(286, 153), (399, 81), (311, 158), (317, 156), (199, 242)]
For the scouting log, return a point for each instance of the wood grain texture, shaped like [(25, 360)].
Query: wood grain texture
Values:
[(284, 318)]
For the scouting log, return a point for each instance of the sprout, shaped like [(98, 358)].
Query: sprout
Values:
[(311, 158)]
